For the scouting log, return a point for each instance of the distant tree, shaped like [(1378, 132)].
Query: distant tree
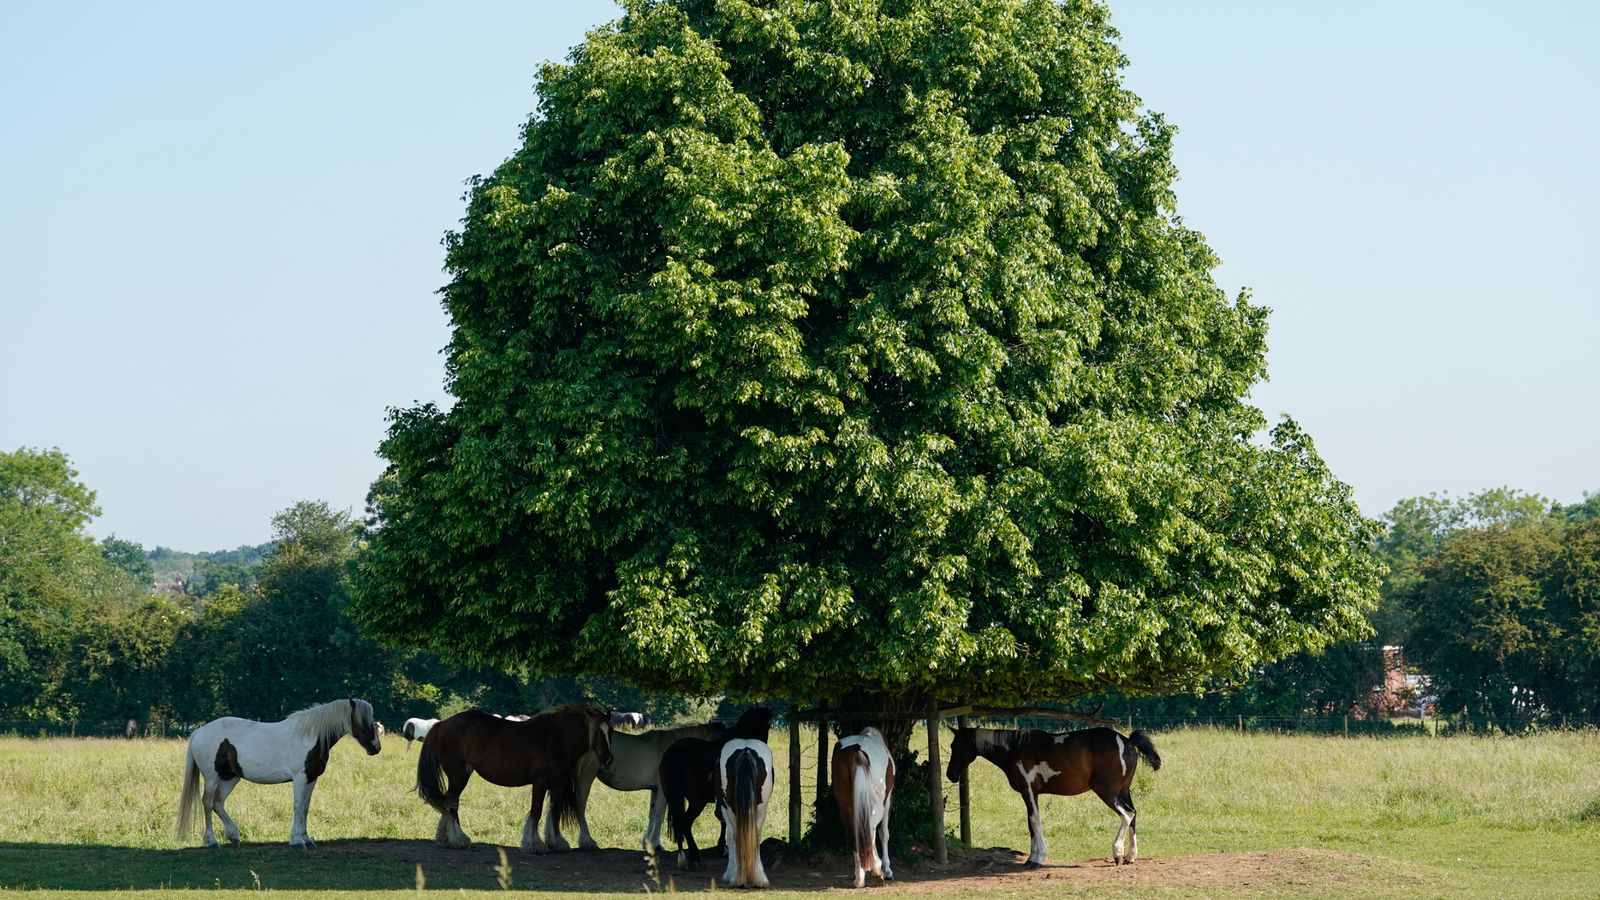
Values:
[(1507, 619), (46, 559), (817, 350), (129, 557)]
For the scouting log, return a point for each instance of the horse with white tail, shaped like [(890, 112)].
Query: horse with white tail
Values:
[(225, 751), (863, 788), (744, 785)]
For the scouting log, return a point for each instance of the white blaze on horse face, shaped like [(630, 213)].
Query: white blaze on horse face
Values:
[(1122, 758)]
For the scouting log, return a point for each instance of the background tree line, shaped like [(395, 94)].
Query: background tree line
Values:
[(1495, 595), (86, 636)]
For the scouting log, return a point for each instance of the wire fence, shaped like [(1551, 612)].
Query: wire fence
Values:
[(1337, 725)]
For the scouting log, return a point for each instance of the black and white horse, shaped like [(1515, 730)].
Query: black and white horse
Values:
[(688, 777), (1068, 763), (744, 785), (225, 751)]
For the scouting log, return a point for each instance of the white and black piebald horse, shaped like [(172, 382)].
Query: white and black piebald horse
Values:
[(744, 785), (224, 751), (416, 729), (863, 789), (1066, 763)]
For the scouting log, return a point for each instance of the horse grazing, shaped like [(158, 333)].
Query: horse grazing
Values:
[(635, 761), (687, 780), (416, 729), (1068, 763), (223, 751), (542, 752), (863, 788), (744, 785)]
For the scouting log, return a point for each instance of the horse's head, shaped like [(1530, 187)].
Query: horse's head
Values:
[(963, 750), (600, 738), (364, 726), (754, 724)]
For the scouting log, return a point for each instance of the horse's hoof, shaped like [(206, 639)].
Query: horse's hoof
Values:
[(591, 845), (1030, 864), (234, 841)]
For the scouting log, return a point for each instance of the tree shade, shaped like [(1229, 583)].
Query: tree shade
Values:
[(813, 349)]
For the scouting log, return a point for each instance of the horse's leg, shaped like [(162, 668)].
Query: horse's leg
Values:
[(588, 768), (302, 804), (883, 840), (553, 838), (1133, 826), (692, 812), (1036, 849), (761, 823), (530, 828), (208, 800), (450, 833), (1124, 819), (652, 822), (230, 831), (722, 831), (730, 872)]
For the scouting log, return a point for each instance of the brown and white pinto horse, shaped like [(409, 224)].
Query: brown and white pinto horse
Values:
[(1067, 763), (863, 789), (542, 752)]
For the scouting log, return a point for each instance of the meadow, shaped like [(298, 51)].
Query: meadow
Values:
[(1227, 815)]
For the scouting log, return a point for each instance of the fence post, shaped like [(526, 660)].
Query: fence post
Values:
[(794, 777), (822, 751), (935, 785), (1346, 724), (965, 797), (1241, 723)]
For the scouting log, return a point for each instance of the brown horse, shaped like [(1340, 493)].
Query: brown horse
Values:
[(1068, 763), (542, 752)]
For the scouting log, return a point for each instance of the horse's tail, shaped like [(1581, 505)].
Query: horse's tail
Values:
[(866, 842), (189, 798), (677, 807), (430, 778), (1146, 748), (745, 777), (564, 803)]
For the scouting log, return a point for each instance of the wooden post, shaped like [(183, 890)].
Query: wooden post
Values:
[(822, 751), (794, 776), (966, 798), (941, 854), (1346, 724), (1241, 723)]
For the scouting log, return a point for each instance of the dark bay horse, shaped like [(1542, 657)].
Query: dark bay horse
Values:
[(688, 779), (542, 751), (1067, 763)]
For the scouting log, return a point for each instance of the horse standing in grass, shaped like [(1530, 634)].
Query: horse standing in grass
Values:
[(863, 788), (416, 729), (1068, 763), (687, 780), (636, 759), (224, 751), (744, 785), (542, 752)]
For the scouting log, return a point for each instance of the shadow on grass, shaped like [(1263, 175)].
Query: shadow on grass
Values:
[(386, 864)]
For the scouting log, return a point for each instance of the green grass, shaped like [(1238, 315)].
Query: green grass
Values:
[(1464, 816)]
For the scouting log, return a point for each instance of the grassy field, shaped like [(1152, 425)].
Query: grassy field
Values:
[(1228, 815)]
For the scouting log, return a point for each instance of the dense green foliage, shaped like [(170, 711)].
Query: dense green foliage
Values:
[(806, 349)]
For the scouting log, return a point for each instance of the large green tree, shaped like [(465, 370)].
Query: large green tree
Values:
[(809, 349)]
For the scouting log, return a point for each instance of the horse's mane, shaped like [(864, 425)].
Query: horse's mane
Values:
[(587, 710), (328, 721)]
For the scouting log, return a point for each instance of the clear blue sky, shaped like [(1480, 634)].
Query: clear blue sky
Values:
[(219, 231)]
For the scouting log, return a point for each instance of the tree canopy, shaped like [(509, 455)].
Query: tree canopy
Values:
[(812, 348)]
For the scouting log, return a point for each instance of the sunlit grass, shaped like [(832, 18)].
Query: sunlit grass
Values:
[(1467, 815)]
